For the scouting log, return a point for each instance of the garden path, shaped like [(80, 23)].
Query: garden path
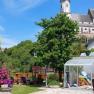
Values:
[(5, 93), (64, 91)]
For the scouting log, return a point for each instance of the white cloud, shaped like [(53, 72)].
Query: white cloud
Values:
[(7, 42), (21, 5)]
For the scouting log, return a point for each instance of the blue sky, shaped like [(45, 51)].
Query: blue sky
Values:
[(18, 17)]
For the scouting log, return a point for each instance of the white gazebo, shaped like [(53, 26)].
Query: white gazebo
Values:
[(79, 71)]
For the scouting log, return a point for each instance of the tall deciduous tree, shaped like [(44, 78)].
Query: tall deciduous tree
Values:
[(58, 34), (19, 57)]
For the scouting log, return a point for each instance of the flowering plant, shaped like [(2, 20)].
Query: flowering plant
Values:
[(4, 77)]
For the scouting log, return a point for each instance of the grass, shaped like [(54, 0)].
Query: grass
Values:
[(23, 89)]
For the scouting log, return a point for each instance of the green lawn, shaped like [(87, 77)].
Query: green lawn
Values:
[(23, 89)]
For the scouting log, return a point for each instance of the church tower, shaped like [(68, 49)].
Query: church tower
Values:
[(65, 6)]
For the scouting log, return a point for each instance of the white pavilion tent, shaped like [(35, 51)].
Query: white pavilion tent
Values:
[(79, 71)]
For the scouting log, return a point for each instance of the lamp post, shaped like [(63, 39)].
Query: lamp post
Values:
[(47, 70)]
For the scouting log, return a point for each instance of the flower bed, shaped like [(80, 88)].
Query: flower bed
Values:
[(5, 81)]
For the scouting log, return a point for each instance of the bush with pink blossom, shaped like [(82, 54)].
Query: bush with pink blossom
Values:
[(5, 77)]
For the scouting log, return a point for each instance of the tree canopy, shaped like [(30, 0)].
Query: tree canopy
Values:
[(18, 58), (58, 35)]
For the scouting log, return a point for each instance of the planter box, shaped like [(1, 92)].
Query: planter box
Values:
[(4, 86)]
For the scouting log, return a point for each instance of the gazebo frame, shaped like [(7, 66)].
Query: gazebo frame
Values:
[(87, 63)]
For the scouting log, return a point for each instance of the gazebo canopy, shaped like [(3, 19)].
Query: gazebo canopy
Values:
[(81, 61), (79, 71)]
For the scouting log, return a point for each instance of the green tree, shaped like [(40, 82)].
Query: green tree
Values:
[(78, 47), (54, 41), (19, 57)]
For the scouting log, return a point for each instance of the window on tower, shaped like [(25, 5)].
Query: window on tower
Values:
[(66, 5)]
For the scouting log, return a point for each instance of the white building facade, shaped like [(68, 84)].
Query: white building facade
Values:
[(85, 22)]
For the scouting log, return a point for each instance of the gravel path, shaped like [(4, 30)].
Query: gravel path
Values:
[(60, 91), (64, 91), (5, 93)]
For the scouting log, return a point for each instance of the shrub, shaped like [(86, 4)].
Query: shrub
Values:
[(5, 77), (53, 82), (53, 79)]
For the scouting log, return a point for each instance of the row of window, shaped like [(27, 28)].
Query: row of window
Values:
[(86, 30), (86, 23)]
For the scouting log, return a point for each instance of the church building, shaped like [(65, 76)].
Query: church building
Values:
[(85, 22)]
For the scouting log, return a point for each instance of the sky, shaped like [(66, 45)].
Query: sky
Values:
[(18, 17)]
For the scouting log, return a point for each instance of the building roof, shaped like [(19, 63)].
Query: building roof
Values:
[(84, 18), (91, 12), (81, 18), (80, 61)]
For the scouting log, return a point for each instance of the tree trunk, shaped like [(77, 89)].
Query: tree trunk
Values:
[(60, 76)]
